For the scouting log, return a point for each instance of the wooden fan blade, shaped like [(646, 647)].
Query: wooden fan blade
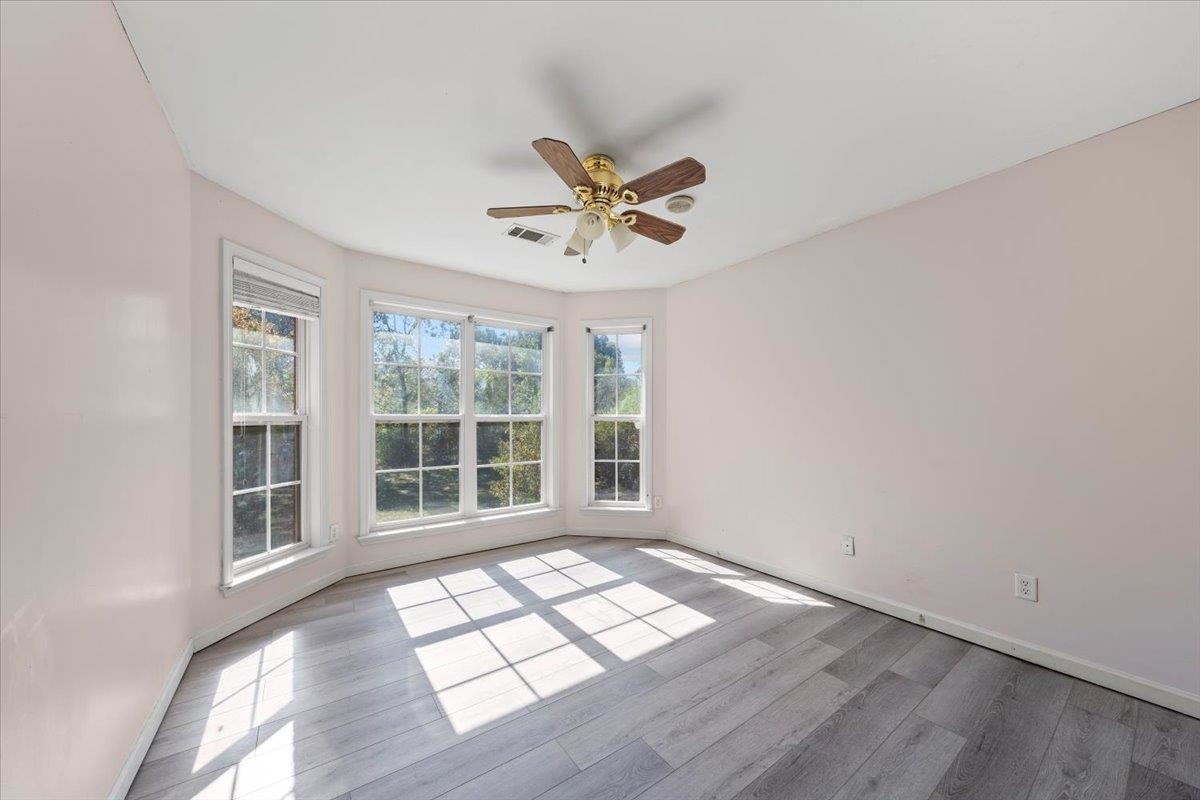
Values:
[(656, 228), (562, 160), (683, 174), (525, 211)]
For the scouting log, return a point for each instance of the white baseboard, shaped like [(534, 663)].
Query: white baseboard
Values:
[(142, 744), (1152, 692), (616, 533), (203, 640), (449, 551)]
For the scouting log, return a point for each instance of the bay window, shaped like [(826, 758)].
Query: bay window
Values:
[(457, 414)]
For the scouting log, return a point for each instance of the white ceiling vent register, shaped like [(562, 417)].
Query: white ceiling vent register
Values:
[(532, 235)]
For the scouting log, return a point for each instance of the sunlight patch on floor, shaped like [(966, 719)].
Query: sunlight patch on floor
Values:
[(688, 561), (765, 590), (478, 677), (223, 721), (487, 674), (559, 573), (631, 620), (446, 601)]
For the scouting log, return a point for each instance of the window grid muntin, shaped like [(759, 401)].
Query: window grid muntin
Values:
[(512, 417), (639, 419), (420, 419), (270, 420), (511, 462), (421, 468)]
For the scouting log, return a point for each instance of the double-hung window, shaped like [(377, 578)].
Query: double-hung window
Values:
[(457, 409), (617, 408), (272, 472)]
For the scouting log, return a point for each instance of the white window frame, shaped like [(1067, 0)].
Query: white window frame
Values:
[(589, 504), (310, 395), (469, 515)]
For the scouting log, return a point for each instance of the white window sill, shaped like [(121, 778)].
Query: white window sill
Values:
[(454, 525), (273, 568), (632, 511)]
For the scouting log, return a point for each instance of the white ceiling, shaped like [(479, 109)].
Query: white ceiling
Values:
[(388, 128)]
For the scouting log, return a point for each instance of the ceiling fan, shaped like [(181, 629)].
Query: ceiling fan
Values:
[(598, 189)]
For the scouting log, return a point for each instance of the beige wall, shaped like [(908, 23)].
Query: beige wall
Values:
[(1002, 377), (94, 400)]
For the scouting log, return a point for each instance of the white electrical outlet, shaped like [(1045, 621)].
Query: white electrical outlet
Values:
[(334, 530), (658, 501), (847, 545), (1025, 586)]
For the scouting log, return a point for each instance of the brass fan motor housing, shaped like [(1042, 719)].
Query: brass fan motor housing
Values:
[(608, 192)]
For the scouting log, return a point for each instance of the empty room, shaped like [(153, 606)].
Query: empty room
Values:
[(599, 401)]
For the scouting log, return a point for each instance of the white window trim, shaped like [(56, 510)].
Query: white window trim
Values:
[(618, 507), (551, 393), (315, 539)]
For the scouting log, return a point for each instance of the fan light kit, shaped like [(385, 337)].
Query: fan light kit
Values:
[(598, 189)]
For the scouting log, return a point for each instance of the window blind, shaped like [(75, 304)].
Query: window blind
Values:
[(251, 290)]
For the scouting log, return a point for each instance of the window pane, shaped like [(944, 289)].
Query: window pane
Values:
[(604, 443), (526, 394), (440, 444), (285, 453), (281, 331), (395, 338), (395, 390), (628, 441), (249, 524), (249, 456), (281, 383), (606, 480), (441, 491), (605, 351), (247, 325), (630, 353), (628, 481), (527, 484), (439, 343), (491, 442), (396, 496), (396, 445), (492, 487), (247, 381), (527, 441), (491, 392), (629, 399), (605, 395), (439, 391), (285, 516), (526, 351), (491, 348)]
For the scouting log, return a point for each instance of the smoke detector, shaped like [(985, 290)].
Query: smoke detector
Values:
[(681, 203)]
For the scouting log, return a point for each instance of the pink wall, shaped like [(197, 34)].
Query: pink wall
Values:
[(1002, 377), (94, 399)]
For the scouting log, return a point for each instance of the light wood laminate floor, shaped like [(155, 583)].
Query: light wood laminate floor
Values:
[(615, 668)]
